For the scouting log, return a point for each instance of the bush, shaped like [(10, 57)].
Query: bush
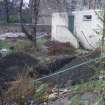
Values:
[(55, 48), (13, 19), (23, 46), (19, 91)]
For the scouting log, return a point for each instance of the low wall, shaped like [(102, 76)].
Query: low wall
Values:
[(17, 28)]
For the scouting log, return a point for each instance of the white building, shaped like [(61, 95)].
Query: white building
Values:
[(87, 28), (84, 25), (60, 29)]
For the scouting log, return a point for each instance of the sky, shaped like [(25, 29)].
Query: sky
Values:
[(27, 1)]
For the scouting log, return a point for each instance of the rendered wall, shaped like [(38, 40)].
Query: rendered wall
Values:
[(85, 31), (60, 31)]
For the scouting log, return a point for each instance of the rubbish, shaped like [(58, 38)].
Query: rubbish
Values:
[(52, 96)]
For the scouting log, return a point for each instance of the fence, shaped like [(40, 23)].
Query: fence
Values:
[(59, 83), (57, 86)]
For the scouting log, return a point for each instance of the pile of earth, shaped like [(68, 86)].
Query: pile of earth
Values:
[(56, 48), (80, 73), (13, 65)]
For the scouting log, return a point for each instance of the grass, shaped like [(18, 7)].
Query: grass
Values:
[(4, 44), (75, 100), (91, 86), (21, 45), (41, 41), (88, 86)]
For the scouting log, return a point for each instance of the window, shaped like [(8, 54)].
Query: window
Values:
[(87, 17)]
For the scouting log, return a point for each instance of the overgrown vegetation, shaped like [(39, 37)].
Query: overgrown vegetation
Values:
[(97, 86), (26, 88)]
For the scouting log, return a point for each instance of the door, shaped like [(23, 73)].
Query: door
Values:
[(71, 23)]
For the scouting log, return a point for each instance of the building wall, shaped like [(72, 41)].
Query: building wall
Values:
[(85, 28), (58, 19), (60, 31), (86, 24)]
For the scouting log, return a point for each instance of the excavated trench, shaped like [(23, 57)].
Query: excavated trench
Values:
[(12, 65), (15, 64), (76, 75)]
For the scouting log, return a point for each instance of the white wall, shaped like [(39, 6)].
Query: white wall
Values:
[(84, 31), (89, 40), (58, 19), (64, 35), (60, 31)]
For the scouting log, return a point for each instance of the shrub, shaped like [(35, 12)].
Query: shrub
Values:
[(55, 48), (13, 19)]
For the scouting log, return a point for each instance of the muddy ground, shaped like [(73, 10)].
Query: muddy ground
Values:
[(14, 64)]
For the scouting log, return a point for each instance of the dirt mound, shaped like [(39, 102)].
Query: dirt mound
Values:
[(80, 73), (56, 48), (14, 64), (58, 63)]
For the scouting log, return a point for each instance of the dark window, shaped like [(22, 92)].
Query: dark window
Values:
[(87, 17)]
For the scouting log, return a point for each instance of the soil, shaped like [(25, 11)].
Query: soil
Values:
[(76, 75), (14, 64)]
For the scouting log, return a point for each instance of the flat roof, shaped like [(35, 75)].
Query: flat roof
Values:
[(87, 11)]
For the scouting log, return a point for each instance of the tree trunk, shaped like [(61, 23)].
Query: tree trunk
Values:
[(103, 37), (6, 10), (20, 19), (35, 16)]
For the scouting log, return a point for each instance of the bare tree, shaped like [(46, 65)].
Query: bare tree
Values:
[(35, 14), (34, 7), (6, 4)]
